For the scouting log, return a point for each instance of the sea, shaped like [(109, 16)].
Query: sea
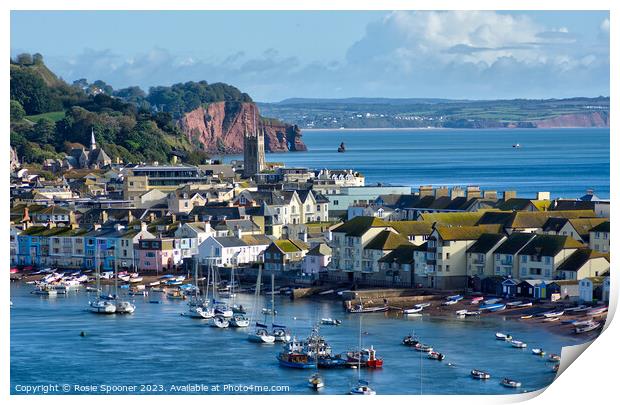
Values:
[(156, 350), (565, 162)]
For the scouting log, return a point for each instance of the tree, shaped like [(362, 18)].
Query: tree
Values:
[(24, 59), (37, 59), (44, 131), (17, 111), (29, 89)]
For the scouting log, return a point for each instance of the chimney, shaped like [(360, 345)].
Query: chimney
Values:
[(96, 227), (143, 226), (196, 219), (426, 191), (26, 217), (173, 218), (104, 216), (509, 194), (457, 191), (490, 194), (472, 192), (238, 232), (73, 226), (151, 216), (303, 235), (51, 225), (442, 192), (129, 217), (543, 195)]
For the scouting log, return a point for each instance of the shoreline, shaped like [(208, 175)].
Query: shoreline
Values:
[(439, 129)]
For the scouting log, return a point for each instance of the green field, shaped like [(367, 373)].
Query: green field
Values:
[(54, 116)]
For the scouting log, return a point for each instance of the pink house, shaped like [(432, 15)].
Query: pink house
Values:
[(160, 254)]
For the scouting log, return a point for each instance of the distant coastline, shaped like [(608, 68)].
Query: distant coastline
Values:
[(439, 129)]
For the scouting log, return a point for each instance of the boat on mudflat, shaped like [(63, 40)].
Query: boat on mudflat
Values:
[(597, 310), (492, 307), (553, 314), (587, 328), (413, 310), (361, 309)]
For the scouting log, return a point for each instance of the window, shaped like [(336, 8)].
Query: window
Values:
[(497, 256), (447, 257), (497, 270), (335, 202), (447, 268), (524, 258), (547, 260)]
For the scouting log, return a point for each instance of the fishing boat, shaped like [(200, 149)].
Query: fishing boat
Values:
[(553, 314), (597, 310), (492, 301), (436, 356), (538, 352), (507, 382), (518, 344), (316, 381), (413, 310), (220, 322), (503, 336), (554, 358), (295, 356), (480, 375), (421, 347), (330, 321), (587, 328), (362, 387), (410, 340), (365, 358)]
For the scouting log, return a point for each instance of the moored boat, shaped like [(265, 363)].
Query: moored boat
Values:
[(503, 336), (220, 322), (587, 328), (597, 310), (362, 388), (507, 382), (411, 340), (518, 344), (421, 347), (316, 381), (361, 309), (480, 375), (239, 321), (102, 307), (553, 314), (261, 334), (330, 321), (554, 358), (436, 356), (538, 352), (413, 310), (295, 360)]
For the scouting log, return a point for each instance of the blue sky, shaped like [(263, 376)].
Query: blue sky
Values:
[(274, 55)]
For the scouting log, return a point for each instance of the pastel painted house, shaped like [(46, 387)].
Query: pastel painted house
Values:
[(583, 263), (159, 254), (542, 256), (590, 289)]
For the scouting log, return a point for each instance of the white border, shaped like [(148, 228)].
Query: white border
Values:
[(591, 378)]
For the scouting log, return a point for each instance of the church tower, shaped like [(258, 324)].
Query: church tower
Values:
[(93, 144), (253, 150)]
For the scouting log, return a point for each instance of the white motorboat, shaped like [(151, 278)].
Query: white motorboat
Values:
[(554, 358), (538, 352), (507, 382), (480, 375), (330, 321), (220, 322), (421, 347), (413, 310), (503, 336), (136, 279), (518, 344), (102, 307)]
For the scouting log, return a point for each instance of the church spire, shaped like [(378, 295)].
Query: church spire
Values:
[(93, 144)]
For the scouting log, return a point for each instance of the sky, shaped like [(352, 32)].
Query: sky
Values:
[(274, 55)]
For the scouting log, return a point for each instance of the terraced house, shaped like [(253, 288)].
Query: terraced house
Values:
[(542, 256)]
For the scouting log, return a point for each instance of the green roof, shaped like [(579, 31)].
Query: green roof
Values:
[(359, 225), (466, 232), (579, 258), (515, 204), (408, 228), (584, 225), (485, 242), (386, 240), (550, 245), (452, 218), (289, 246), (56, 231), (602, 227)]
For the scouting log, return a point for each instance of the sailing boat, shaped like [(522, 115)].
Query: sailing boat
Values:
[(122, 307), (316, 381), (100, 305), (362, 387), (260, 334), (199, 306), (280, 332), (238, 320)]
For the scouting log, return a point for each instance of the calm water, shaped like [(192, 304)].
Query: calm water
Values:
[(563, 161), (156, 345)]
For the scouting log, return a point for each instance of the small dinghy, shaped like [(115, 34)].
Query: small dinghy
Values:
[(583, 323), (492, 307), (525, 304), (553, 314), (557, 318), (507, 382), (527, 316), (413, 310), (423, 305), (492, 301), (503, 336), (554, 358), (514, 303), (597, 311), (476, 300), (436, 356), (538, 352), (587, 328), (316, 381), (421, 347), (518, 344), (480, 375), (410, 340)]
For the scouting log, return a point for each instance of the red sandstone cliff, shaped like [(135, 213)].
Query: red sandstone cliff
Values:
[(220, 128), (581, 120)]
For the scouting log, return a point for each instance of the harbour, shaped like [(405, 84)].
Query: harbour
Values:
[(156, 341)]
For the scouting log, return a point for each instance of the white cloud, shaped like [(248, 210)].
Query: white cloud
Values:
[(605, 25)]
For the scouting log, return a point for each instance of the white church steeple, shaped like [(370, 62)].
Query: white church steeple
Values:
[(93, 144)]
